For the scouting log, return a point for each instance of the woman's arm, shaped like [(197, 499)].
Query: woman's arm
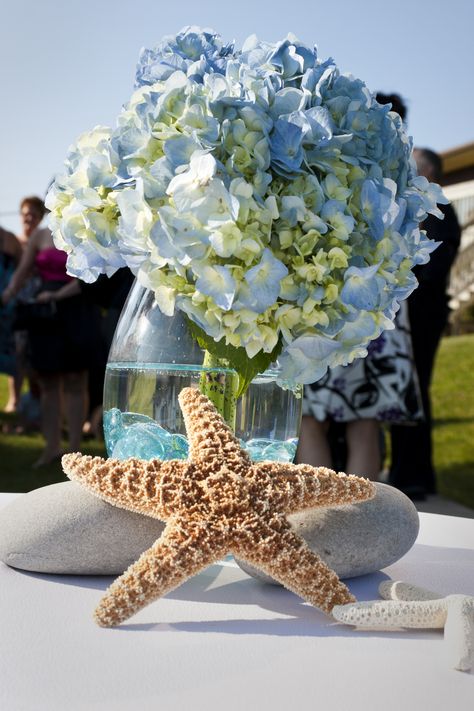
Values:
[(72, 288), (23, 270)]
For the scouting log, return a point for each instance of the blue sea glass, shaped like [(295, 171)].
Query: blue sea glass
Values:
[(262, 450), (130, 434)]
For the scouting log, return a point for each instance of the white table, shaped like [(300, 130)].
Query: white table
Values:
[(225, 642)]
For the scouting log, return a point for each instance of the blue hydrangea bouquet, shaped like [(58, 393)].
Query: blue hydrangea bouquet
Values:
[(261, 192)]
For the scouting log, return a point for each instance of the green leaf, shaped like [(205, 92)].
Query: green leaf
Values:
[(236, 358)]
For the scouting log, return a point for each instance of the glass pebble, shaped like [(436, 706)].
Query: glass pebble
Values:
[(130, 434), (261, 450), (143, 440), (116, 422)]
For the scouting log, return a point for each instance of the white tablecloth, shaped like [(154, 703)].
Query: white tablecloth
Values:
[(225, 641)]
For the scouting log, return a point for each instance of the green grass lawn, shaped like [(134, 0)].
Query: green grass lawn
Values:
[(453, 406), (453, 411), (19, 452)]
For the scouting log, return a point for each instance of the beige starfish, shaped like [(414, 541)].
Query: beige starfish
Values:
[(215, 503), (406, 605)]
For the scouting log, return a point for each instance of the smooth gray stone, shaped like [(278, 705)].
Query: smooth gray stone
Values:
[(356, 539), (63, 528)]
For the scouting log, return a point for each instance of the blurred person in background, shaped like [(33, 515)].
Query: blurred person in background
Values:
[(412, 468), (62, 334), (380, 388), (32, 211), (343, 411), (10, 255)]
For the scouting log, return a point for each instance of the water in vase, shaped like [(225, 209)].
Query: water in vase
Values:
[(142, 417)]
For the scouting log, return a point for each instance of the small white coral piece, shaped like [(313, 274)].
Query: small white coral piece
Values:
[(459, 632), (405, 605)]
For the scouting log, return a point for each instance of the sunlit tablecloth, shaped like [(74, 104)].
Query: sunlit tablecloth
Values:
[(225, 642)]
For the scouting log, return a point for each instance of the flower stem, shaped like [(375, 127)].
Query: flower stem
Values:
[(220, 384)]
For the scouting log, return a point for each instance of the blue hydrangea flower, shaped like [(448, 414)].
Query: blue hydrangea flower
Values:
[(218, 283), (263, 283), (182, 52), (262, 192), (292, 58), (361, 288), (286, 147), (305, 360)]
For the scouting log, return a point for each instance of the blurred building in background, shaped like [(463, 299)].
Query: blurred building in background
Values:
[(458, 186)]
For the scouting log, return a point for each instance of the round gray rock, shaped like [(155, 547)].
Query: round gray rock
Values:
[(356, 539), (63, 528)]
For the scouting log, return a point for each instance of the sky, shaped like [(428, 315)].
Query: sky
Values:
[(66, 66)]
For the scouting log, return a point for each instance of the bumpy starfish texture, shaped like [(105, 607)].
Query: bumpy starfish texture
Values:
[(406, 605), (215, 503)]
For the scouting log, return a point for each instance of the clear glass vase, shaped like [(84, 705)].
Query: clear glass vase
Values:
[(151, 359)]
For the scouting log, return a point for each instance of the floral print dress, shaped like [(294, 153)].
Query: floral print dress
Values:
[(381, 386)]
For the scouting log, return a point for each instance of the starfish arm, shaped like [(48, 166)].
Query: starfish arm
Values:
[(183, 550), (209, 438), (386, 614), (144, 487), (459, 632), (285, 557), (391, 590), (300, 486)]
